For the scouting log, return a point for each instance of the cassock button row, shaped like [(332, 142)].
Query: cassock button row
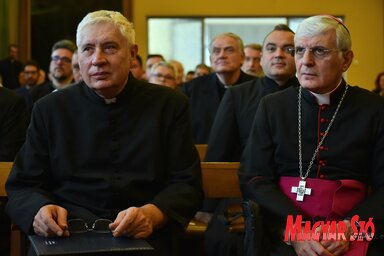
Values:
[(322, 176), (324, 120), (323, 148), (322, 163), (323, 107), (321, 134)]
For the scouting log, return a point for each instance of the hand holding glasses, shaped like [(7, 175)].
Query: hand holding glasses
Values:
[(77, 226)]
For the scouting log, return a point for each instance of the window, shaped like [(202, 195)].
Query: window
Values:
[(187, 39)]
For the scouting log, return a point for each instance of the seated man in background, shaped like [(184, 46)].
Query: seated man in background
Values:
[(151, 60), (60, 70), (324, 136), (13, 120), (31, 75), (205, 92), (112, 147), (252, 65), (234, 119), (163, 73)]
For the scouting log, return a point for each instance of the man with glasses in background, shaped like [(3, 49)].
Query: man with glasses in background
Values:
[(314, 150), (163, 73), (60, 69), (234, 120), (205, 92)]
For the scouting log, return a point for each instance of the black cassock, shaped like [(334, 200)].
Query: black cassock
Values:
[(96, 159), (353, 149)]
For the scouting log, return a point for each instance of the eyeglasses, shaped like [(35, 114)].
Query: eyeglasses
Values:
[(271, 48), (317, 51), (63, 59), (166, 77), (80, 226)]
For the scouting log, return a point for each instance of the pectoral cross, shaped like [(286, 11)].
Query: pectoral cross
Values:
[(301, 190)]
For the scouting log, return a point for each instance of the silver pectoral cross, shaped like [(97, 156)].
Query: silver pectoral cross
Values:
[(301, 190)]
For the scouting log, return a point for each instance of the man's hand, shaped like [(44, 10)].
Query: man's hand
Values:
[(339, 247), (204, 217), (310, 248), (138, 222), (51, 220)]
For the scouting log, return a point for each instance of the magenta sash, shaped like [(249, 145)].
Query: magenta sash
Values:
[(329, 199)]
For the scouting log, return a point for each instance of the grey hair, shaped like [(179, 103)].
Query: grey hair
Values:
[(116, 18), (228, 34), (164, 64), (319, 24)]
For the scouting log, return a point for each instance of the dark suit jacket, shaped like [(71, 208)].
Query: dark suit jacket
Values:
[(204, 98), (40, 91), (13, 120), (235, 116)]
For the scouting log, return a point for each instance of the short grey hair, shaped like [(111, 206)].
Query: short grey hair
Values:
[(164, 64), (116, 18), (228, 34), (319, 24), (64, 44)]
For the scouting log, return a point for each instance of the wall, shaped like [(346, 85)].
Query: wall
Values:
[(364, 18)]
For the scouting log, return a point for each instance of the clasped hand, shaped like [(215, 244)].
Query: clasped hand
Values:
[(135, 222), (324, 247)]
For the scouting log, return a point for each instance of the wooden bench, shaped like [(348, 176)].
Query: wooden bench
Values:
[(220, 180), (16, 236), (202, 150)]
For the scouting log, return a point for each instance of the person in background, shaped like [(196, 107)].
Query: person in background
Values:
[(137, 68), (180, 71), (314, 150), (202, 70), (379, 84), (205, 93), (13, 118), (163, 73), (189, 76), (76, 68), (233, 123), (60, 69), (117, 148), (252, 58), (151, 60), (31, 75), (11, 67)]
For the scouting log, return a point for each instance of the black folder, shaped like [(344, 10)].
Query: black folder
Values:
[(90, 244)]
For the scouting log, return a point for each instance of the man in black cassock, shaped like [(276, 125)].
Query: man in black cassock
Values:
[(320, 133), (205, 93), (13, 120), (233, 123), (111, 147)]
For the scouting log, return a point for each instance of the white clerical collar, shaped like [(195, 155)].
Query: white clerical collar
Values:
[(325, 98), (110, 101)]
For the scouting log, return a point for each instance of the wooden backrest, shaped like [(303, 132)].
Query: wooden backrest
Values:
[(220, 179), (5, 168), (202, 150)]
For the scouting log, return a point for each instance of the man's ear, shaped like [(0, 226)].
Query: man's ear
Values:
[(134, 49), (348, 57)]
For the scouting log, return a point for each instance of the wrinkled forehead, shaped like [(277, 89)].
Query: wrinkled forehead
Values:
[(101, 34), (325, 38), (224, 41)]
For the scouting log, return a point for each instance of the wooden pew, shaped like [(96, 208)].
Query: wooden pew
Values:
[(202, 150), (16, 236), (5, 168), (220, 180)]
